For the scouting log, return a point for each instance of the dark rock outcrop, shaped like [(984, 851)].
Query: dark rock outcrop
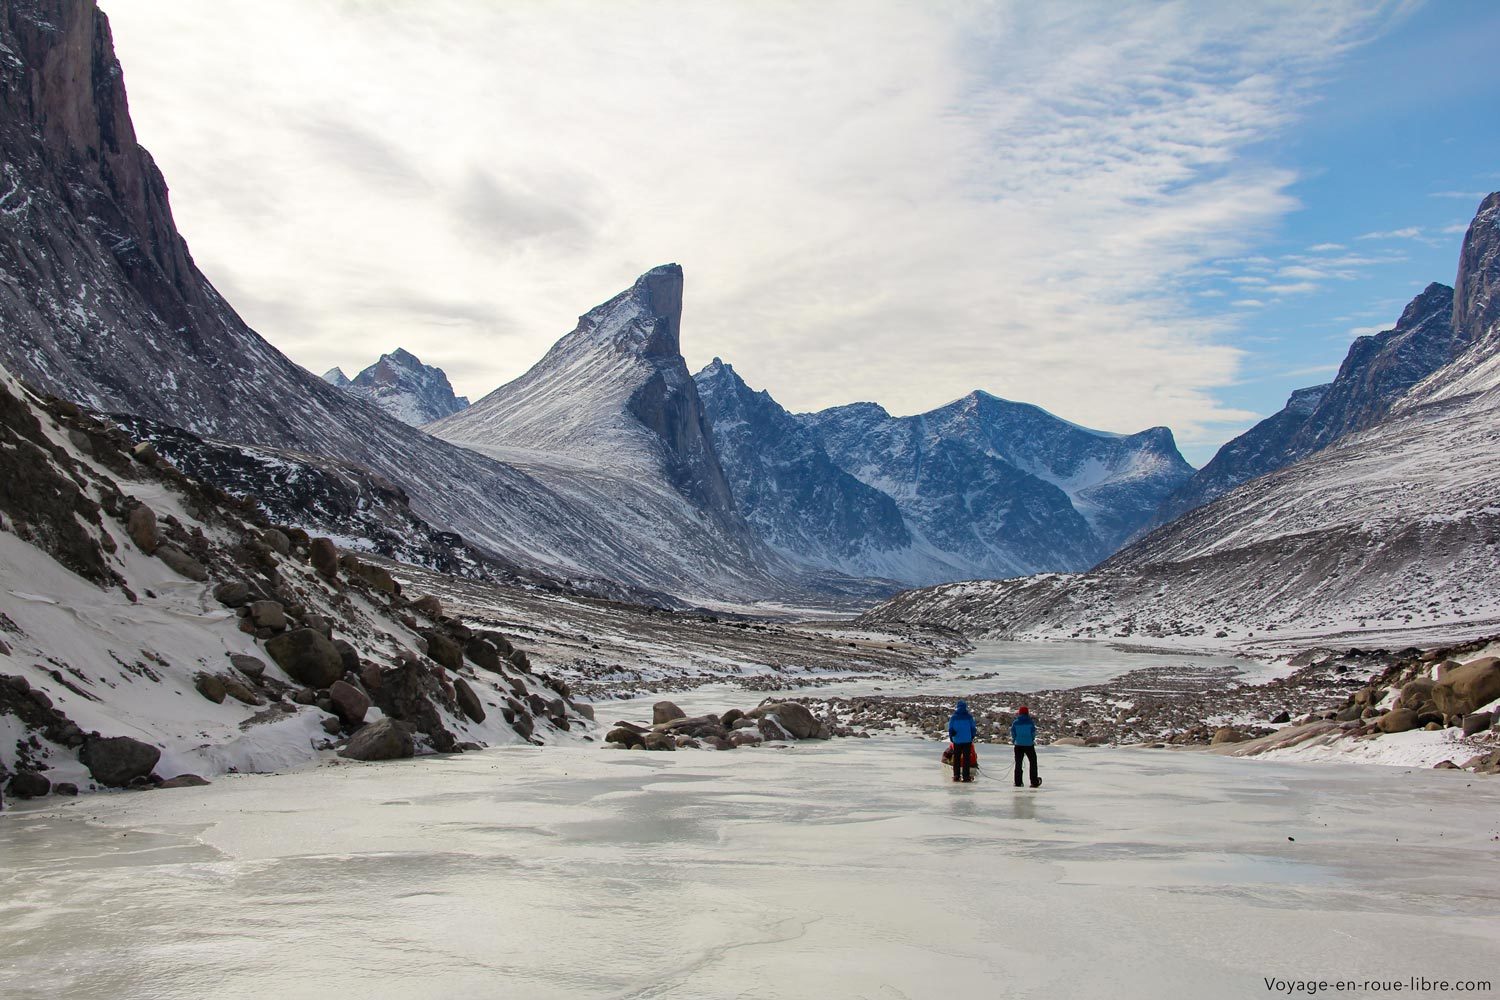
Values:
[(307, 656), (384, 739), (117, 761)]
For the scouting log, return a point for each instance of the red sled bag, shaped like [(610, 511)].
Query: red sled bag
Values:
[(948, 756)]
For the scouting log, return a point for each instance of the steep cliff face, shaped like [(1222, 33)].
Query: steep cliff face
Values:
[(614, 392), (1376, 374), (1476, 312), (992, 487), (403, 387), (790, 491), (611, 419), (100, 302)]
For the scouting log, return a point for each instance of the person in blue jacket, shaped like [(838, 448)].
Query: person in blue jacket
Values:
[(1023, 735), (962, 731)]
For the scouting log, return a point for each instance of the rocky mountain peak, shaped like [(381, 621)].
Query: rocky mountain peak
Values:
[(1304, 401), (644, 320), (1476, 304), (403, 387)]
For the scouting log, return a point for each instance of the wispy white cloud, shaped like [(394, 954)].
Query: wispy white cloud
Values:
[(1293, 288), (1248, 304), (890, 201), (1325, 247), (1408, 233), (1474, 196)]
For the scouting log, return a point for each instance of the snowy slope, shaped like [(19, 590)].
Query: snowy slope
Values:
[(992, 487), (403, 387), (116, 638), (1394, 525), (1376, 374)]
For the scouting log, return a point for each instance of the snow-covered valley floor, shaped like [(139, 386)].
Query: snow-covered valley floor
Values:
[(852, 868)]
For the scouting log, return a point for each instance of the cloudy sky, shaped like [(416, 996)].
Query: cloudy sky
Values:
[(1129, 214)]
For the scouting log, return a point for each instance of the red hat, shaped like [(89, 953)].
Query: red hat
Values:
[(1022, 710)]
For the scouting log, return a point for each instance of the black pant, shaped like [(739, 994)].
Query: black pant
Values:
[(962, 754), (1026, 753)]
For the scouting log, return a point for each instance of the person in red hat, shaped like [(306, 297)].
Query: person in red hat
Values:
[(1023, 735)]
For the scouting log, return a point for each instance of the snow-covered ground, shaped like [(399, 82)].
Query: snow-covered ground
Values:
[(844, 869)]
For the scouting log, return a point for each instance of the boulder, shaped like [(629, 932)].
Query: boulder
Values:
[(28, 785), (1468, 687), (428, 605), (702, 726), (233, 595), (584, 709), (268, 614), (250, 666), (499, 641), (210, 687), (468, 701), (331, 725), (184, 781), (520, 720), (624, 737), (145, 453), (384, 739), (1397, 720), (484, 655), (318, 623), (794, 718), (659, 741), (1416, 693), (520, 660), (1478, 722), (182, 563), (1227, 734), (142, 528), (348, 654), (276, 541), (443, 649), (240, 691), (299, 538), (1280, 718), (64, 788), (375, 577), (349, 702), (729, 718), (665, 711), (325, 557), (745, 738), (1070, 741), (307, 656), (772, 729), (118, 760)]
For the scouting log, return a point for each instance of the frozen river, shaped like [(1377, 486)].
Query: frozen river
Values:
[(991, 666), (845, 869), (1039, 666)]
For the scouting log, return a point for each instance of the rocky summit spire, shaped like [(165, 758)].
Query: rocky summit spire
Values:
[(1476, 299), (614, 392)]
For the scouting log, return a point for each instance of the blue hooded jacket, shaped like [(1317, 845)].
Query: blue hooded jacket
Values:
[(961, 728), (1023, 731)]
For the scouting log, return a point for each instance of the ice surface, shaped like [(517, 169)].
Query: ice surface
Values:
[(845, 869), (1042, 666)]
